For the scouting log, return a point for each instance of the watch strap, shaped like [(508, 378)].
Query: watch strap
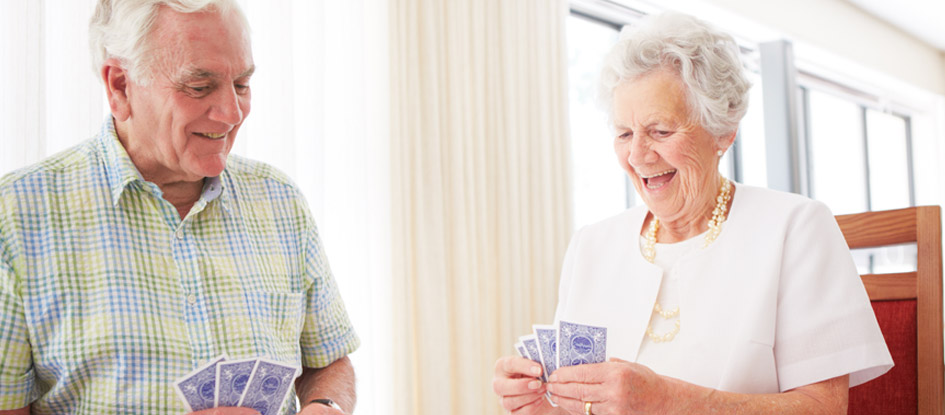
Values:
[(326, 402)]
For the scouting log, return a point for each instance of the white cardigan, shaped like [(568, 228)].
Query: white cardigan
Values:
[(773, 304)]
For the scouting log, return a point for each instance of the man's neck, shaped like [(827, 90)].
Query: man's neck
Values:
[(181, 192), (182, 195)]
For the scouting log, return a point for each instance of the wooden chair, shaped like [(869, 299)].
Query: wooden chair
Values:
[(908, 307)]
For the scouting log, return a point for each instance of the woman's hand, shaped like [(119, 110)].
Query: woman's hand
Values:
[(613, 387), (519, 389)]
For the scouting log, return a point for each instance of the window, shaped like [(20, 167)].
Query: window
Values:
[(859, 157), (859, 160), (600, 187)]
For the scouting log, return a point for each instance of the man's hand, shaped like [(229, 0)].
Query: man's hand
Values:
[(319, 409), (227, 410)]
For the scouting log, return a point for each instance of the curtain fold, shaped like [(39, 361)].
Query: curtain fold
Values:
[(479, 191)]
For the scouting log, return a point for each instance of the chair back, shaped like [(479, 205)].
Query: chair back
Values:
[(908, 307)]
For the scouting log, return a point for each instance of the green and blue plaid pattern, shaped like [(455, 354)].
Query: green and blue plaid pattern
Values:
[(107, 296)]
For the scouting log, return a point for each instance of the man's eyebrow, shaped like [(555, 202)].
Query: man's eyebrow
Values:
[(248, 72), (198, 73)]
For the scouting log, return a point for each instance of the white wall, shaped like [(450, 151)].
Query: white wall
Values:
[(842, 28)]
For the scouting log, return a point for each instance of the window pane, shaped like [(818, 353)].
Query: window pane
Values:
[(600, 188), (837, 159), (889, 163), (752, 137), (886, 260)]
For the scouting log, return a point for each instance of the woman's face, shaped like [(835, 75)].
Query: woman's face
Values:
[(672, 161)]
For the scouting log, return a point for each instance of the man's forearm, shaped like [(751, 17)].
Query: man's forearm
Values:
[(335, 382), (22, 411)]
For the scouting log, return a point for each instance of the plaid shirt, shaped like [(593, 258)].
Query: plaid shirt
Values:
[(107, 296)]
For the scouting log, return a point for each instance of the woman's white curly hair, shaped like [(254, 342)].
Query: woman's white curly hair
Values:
[(706, 60)]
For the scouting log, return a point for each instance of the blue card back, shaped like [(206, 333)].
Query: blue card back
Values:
[(531, 346), (268, 386), (580, 344), (198, 389), (232, 378), (547, 337)]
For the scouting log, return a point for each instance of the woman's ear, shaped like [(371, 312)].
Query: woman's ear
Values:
[(726, 141), (115, 78)]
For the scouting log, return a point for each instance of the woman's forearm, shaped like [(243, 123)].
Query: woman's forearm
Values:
[(829, 397)]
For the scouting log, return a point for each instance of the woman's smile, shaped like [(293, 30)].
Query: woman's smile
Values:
[(658, 180)]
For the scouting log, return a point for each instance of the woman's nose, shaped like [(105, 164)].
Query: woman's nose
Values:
[(639, 151)]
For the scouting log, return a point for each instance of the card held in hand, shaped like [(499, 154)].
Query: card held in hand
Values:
[(269, 386), (232, 377), (580, 344), (198, 389), (531, 347), (520, 348), (547, 336)]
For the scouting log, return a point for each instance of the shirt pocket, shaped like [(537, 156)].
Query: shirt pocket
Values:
[(261, 324)]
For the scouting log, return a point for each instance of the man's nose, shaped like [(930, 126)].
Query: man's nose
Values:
[(226, 107)]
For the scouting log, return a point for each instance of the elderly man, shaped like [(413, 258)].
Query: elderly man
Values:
[(136, 256)]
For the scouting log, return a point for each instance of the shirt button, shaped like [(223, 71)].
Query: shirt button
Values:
[(179, 233), (191, 299)]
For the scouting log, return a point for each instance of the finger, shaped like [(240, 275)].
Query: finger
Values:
[(617, 360), (519, 402), (226, 411), (583, 392), (516, 386), (590, 373), (510, 366), (572, 406)]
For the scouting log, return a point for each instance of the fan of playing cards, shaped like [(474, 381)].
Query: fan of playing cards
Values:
[(260, 384), (564, 344)]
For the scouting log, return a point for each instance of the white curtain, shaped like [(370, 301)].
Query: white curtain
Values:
[(319, 114), (479, 192)]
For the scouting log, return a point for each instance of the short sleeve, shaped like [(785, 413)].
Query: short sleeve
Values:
[(16, 363), (825, 324), (327, 333)]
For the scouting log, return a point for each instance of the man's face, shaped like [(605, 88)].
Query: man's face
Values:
[(183, 124)]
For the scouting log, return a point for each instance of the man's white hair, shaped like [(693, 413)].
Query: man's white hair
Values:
[(120, 29), (706, 60)]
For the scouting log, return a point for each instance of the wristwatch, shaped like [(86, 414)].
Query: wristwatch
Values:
[(327, 402)]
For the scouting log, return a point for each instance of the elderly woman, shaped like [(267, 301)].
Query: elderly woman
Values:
[(718, 297)]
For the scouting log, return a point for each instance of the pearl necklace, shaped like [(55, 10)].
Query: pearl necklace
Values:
[(649, 253)]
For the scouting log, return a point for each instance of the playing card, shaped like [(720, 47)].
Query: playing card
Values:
[(531, 347), (232, 377), (547, 337), (580, 344), (520, 348), (198, 388), (268, 386)]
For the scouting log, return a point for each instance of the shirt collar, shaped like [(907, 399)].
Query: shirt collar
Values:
[(213, 189), (121, 171)]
